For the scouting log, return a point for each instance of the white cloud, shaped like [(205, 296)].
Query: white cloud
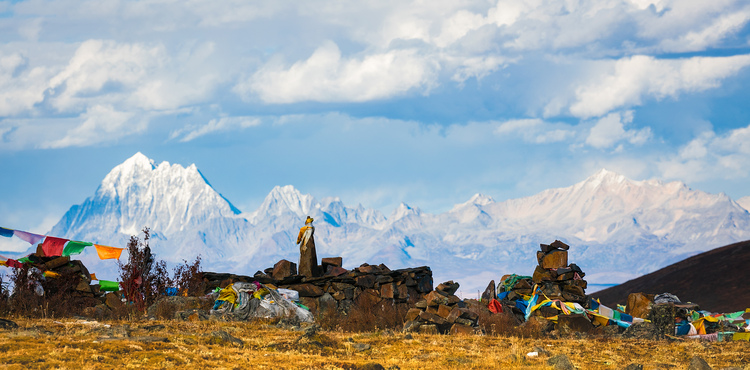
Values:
[(711, 35), (610, 130), (21, 86), (327, 77), (633, 79), (100, 124), (536, 131), (478, 67), (690, 25), (214, 125), (710, 156), (97, 63)]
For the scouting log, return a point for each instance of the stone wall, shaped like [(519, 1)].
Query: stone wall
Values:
[(340, 289)]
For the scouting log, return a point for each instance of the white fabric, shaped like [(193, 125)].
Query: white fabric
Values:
[(606, 311), (289, 294)]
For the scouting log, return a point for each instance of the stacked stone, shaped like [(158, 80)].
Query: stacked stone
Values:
[(340, 289), (441, 312), (66, 267), (522, 286), (558, 279)]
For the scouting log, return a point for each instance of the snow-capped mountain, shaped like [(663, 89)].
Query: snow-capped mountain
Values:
[(617, 228), (744, 202)]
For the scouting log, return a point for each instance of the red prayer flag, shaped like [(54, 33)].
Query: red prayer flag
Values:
[(53, 246), (495, 306), (13, 263)]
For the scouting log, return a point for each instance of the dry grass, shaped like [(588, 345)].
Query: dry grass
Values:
[(68, 343)]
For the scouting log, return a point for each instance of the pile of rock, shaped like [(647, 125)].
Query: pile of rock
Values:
[(516, 286), (557, 278), (441, 312), (65, 267), (339, 288)]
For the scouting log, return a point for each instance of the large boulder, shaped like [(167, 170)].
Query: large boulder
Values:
[(555, 259), (283, 269), (639, 304)]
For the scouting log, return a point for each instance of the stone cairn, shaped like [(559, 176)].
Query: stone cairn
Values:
[(66, 267), (557, 279), (441, 312), (339, 288)]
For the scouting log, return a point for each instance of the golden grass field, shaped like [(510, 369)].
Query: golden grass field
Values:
[(77, 344)]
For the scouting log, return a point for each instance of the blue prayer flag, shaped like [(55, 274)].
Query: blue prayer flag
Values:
[(8, 233)]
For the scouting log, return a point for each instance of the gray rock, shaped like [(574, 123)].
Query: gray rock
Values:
[(7, 324), (642, 330), (360, 347), (560, 362), (634, 366), (371, 366), (697, 363), (541, 351), (222, 337), (150, 339)]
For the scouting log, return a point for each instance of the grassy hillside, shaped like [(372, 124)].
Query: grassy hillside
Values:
[(70, 343)]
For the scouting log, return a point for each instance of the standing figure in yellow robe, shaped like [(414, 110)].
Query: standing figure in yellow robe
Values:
[(308, 259)]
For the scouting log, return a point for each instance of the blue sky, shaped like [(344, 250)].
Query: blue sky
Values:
[(376, 102)]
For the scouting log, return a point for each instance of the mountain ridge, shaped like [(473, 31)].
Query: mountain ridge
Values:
[(648, 223)]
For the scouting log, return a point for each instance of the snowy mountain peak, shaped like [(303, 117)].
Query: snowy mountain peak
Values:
[(284, 199), (481, 200), (404, 210), (167, 198), (476, 200), (605, 177), (138, 159)]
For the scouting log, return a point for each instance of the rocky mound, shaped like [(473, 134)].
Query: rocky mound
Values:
[(716, 280)]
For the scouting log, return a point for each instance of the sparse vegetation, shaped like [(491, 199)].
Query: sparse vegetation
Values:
[(68, 343), (142, 277), (383, 316)]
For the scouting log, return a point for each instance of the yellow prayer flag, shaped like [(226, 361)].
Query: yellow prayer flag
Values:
[(106, 252), (51, 274), (93, 276)]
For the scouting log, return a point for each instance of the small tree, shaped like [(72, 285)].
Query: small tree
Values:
[(188, 278), (27, 298), (143, 278)]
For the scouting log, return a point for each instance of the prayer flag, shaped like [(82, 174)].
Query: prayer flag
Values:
[(3, 263), (109, 286), (606, 311), (13, 263), (6, 232), (51, 274), (24, 260), (74, 247), (93, 276), (28, 237), (106, 252), (53, 246)]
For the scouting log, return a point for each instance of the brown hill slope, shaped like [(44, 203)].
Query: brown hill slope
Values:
[(717, 280)]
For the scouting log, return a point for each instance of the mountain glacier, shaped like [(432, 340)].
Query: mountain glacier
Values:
[(618, 228)]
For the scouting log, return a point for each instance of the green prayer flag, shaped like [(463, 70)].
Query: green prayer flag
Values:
[(74, 247), (109, 286), (24, 260)]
